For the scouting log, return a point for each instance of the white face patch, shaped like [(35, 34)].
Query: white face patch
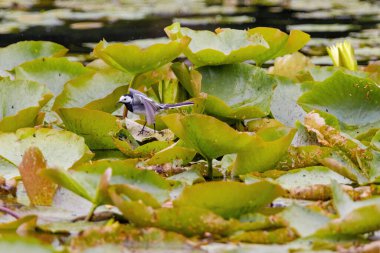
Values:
[(125, 99)]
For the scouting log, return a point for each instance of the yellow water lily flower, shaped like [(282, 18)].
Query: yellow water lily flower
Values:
[(343, 55)]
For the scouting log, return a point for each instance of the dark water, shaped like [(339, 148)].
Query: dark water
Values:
[(360, 18)]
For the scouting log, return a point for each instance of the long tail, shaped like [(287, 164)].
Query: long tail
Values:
[(168, 106)]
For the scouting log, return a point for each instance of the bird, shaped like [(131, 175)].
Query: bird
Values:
[(138, 103)]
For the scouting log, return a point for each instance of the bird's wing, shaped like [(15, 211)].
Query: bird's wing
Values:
[(151, 109), (134, 92)]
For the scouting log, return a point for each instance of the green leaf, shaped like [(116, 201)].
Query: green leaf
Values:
[(53, 72), (284, 105), (17, 244), (95, 90), (85, 180), (173, 154), (96, 127), (133, 59), (238, 198), (375, 142), (187, 220), (23, 51), (61, 149), (304, 220), (210, 137), (190, 79), (264, 150), (279, 42), (316, 175), (224, 47), (146, 150), (354, 101), (238, 91), (355, 217), (16, 112)]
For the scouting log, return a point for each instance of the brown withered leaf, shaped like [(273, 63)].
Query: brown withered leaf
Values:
[(40, 189)]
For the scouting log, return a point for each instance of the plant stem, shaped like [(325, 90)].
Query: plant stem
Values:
[(209, 169), (9, 211), (91, 213)]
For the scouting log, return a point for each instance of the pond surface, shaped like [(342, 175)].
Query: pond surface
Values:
[(79, 24)]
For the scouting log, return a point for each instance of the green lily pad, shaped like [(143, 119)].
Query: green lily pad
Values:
[(61, 149), (304, 220), (187, 220), (146, 150), (375, 142), (173, 154), (321, 73), (227, 46), (284, 105), (190, 79), (15, 54), (16, 112), (53, 72), (96, 127), (28, 220), (355, 217), (279, 42), (310, 176), (210, 137), (95, 90), (238, 198), (133, 59), (17, 244), (264, 150), (238, 91), (354, 101), (85, 180), (188, 177)]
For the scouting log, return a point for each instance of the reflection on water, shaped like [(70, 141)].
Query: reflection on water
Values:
[(76, 24)]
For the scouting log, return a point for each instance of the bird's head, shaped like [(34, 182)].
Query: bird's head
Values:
[(127, 101)]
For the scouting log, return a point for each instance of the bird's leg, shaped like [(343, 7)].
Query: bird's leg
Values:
[(143, 129), (125, 112), (154, 127)]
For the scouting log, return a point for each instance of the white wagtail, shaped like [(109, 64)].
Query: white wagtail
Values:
[(138, 103)]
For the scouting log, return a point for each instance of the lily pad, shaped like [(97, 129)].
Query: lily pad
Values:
[(187, 220), (284, 105), (354, 101), (40, 189), (210, 137), (53, 72), (237, 91), (15, 54), (173, 154), (316, 175), (227, 46), (279, 42), (307, 221), (96, 127), (190, 79), (17, 244), (17, 113), (146, 150), (264, 150), (61, 149), (133, 59), (238, 198), (85, 180), (98, 90), (355, 217)]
